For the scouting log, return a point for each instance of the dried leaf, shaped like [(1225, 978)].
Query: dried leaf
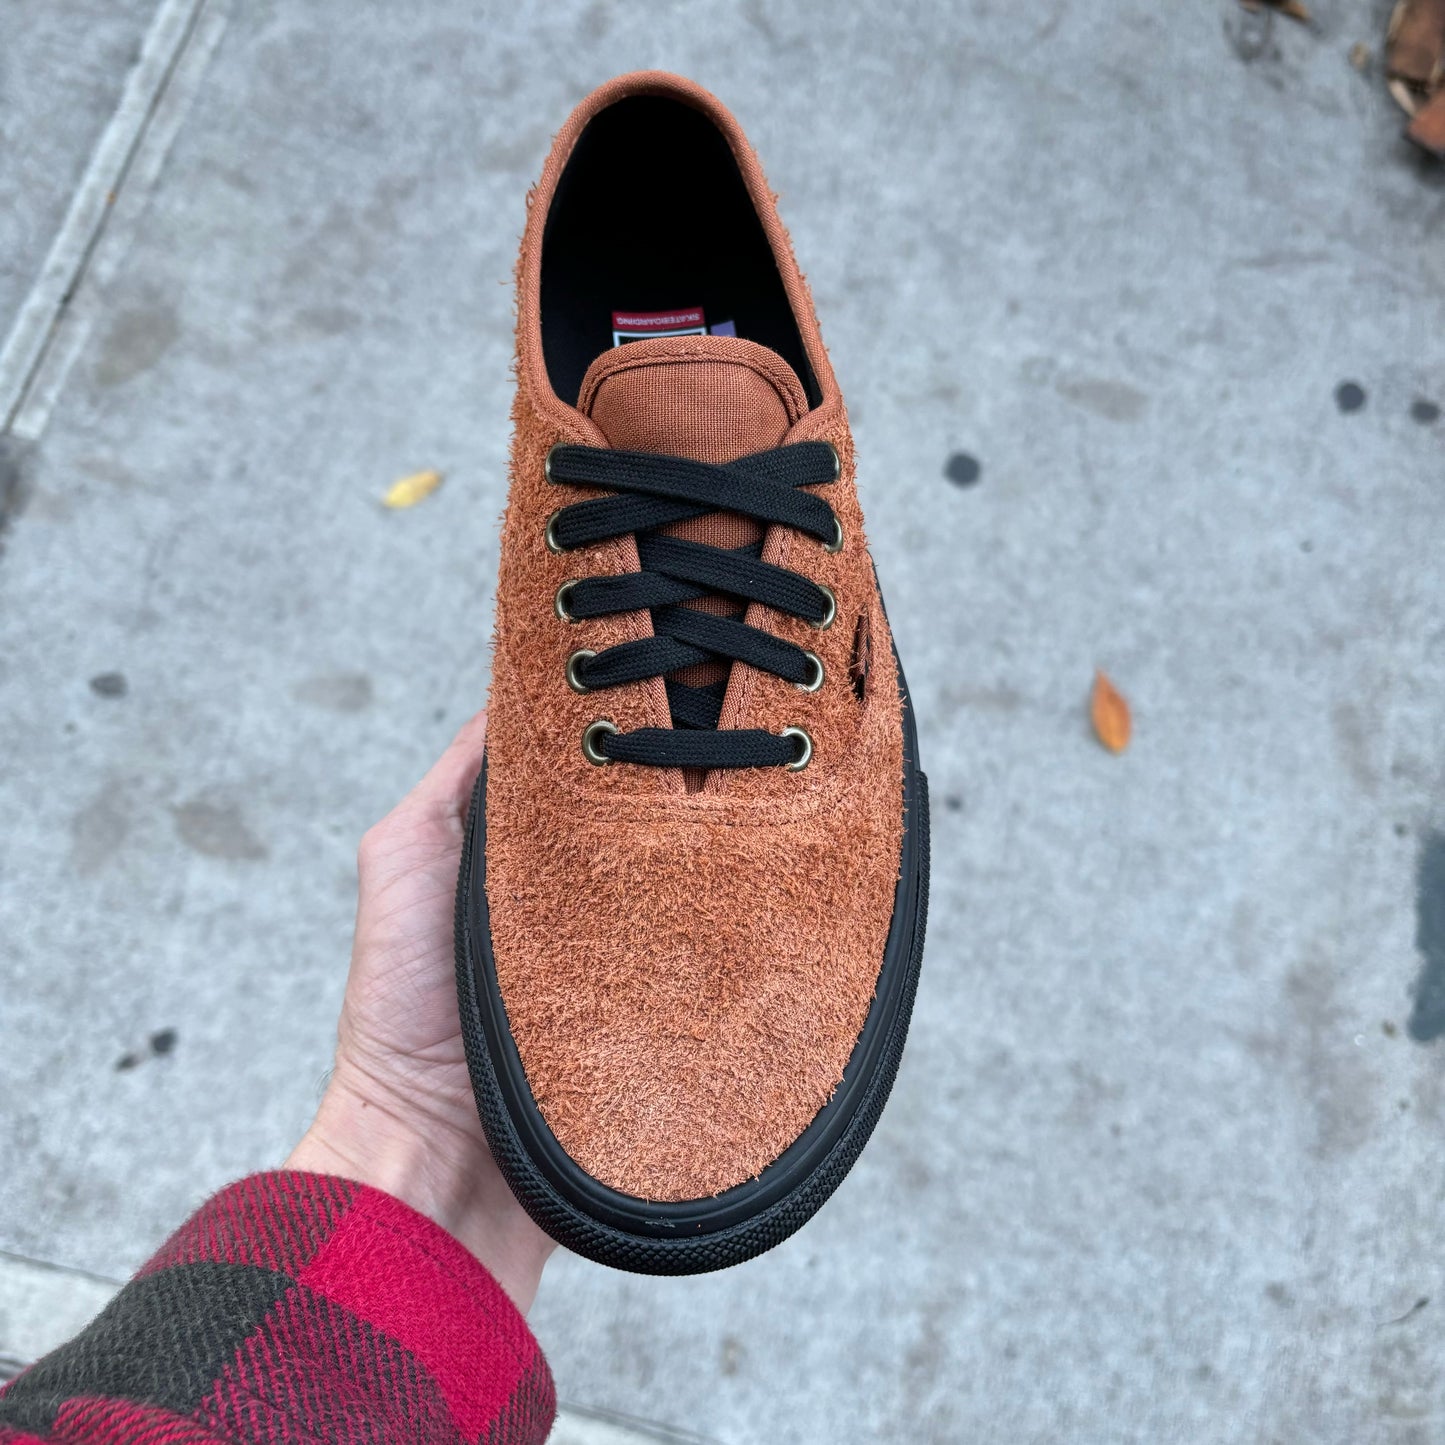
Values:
[(1404, 94), (411, 490), (1416, 40), (1428, 127), (1295, 9), (1110, 714)]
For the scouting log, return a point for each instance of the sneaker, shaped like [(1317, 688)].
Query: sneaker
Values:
[(692, 898)]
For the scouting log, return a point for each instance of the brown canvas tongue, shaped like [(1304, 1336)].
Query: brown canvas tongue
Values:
[(711, 398)]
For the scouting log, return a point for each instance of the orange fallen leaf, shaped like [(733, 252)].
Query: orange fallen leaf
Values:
[(1110, 714)]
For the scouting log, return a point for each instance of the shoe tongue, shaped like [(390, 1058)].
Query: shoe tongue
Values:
[(711, 398)]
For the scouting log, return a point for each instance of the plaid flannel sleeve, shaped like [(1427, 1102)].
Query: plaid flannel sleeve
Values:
[(302, 1309)]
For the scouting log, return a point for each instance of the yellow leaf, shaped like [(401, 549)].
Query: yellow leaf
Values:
[(411, 490), (1110, 714)]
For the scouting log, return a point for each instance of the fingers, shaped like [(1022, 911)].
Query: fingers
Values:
[(447, 788)]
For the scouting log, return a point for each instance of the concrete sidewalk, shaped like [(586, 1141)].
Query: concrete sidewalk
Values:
[(1163, 1162)]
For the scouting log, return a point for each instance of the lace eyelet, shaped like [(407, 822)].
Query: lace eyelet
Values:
[(599, 729), (818, 675), (559, 603), (805, 748), (831, 611), (550, 535), (836, 545), (547, 465), (837, 460), (574, 664)]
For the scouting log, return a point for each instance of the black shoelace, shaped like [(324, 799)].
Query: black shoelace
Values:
[(652, 491)]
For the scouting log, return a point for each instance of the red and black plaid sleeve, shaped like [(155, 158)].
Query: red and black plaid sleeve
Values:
[(302, 1309)]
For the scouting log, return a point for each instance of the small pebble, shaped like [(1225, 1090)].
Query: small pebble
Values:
[(1349, 396), (163, 1041)]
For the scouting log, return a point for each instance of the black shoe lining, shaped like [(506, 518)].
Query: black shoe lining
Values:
[(651, 213)]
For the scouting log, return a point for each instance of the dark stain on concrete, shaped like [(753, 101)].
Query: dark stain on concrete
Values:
[(160, 1043), (335, 691), (136, 341), (1350, 396), (98, 830), (1251, 36), (1352, 738), (1333, 1073), (109, 684), (1424, 411), (731, 1355), (217, 831), (1112, 400), (327, 320), (962, 470), (14, 480), (1427, 1017), (983, 699)]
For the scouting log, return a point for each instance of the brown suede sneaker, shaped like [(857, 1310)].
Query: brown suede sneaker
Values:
[(691, 907)]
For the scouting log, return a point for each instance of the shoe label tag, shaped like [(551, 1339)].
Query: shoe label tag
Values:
[(684, 321)]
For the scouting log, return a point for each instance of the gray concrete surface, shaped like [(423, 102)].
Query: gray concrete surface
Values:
[(1164, 1159), (62, 68)]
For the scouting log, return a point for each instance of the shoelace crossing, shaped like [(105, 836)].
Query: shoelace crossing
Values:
[(652, 491)]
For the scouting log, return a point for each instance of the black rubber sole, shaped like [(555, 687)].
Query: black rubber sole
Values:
[(694, 1236)]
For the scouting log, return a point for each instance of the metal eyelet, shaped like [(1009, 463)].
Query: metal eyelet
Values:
[(559, 603), (815, 681), (837, 460), (831, 611), (592, 732), (574, 663), (547, 465), (805, 748), (836, 545), (553, 545)]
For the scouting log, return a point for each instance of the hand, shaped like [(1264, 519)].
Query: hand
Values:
[(398, 1112)]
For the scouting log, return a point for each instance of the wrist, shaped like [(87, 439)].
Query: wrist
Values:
[(359, 1134)]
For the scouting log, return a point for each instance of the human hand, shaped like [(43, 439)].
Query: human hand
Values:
[(398, 1112)]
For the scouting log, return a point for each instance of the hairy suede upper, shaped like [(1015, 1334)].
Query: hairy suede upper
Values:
[(685, 968)]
